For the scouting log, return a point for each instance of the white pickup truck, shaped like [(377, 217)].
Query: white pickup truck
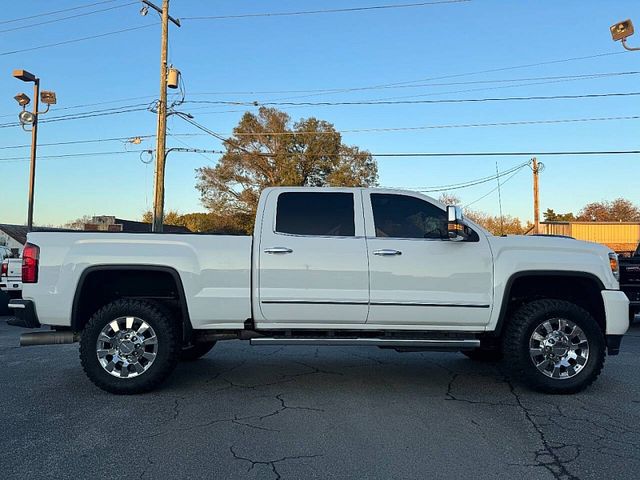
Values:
[(327, 266), (11, 276)]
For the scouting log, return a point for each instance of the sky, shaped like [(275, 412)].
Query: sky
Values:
[(470, 50)]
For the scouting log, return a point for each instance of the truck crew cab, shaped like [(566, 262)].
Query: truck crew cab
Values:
[(327, 266)]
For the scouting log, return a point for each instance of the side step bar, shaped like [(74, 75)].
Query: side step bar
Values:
[(376, 342)]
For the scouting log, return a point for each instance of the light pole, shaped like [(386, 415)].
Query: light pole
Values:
[(621, 31), (26, 118)]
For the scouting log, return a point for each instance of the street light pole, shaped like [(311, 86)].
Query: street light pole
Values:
[(34, 143), (26, 118)]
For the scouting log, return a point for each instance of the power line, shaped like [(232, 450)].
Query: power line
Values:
[(334, 10), (407, 83), (492, 190), (97, 140), (75, 40), (484, 88), (411, 102), (428, 127), (337, 90), (78, 142), (89, 114), (224, 140), (513, 67), (70, 155), (420, 85), (383, 154), (56, 12), (510, 154), (466, 184), (46, 22)]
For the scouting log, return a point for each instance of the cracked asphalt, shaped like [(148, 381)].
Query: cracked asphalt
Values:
[(247, 412)]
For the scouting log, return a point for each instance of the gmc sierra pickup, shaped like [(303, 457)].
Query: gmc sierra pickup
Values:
[(327, 266)]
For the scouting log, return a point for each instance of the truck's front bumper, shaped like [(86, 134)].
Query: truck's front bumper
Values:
[(616, 310), (25, 312)]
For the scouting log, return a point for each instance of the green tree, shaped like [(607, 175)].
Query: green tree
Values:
[(200, 222), (496, 224), (447, 198), (551, 216), (618, 210), (266, 150), (171, 217)]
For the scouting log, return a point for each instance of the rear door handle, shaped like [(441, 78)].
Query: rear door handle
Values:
[(278, 250), (387, 252)]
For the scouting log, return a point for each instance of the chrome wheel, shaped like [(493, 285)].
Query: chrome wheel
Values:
[(559, 348), (127, 347)]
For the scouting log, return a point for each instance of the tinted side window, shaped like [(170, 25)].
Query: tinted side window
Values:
[(400, 216), (306, 213)]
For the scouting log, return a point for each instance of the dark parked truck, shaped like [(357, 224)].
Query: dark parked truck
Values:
[(630, 281), (327, 266)]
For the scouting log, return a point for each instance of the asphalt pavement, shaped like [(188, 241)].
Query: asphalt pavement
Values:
[(247, 412)]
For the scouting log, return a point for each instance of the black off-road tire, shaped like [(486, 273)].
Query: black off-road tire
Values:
[(516, 345), (193, 352), (484, 354), (168, 338)]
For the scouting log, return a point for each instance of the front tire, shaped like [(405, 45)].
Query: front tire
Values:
[(129, 346), (554, 346)]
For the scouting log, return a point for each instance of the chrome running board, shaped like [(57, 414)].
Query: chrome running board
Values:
[(376, 342)]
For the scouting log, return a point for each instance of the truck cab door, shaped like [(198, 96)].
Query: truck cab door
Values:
[(312, 259), (417, 275)]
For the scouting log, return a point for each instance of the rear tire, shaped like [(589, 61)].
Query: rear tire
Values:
[(129, 346), (554, 346), (191, 353)]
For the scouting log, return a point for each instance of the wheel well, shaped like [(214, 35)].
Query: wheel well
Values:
[(99, 286), (583, 290)]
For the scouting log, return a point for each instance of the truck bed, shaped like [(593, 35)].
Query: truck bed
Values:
[(214, 270)]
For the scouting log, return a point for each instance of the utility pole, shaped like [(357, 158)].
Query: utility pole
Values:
[(161, 134), (536, 194)]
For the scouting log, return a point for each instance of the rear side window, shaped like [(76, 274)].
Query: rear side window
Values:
[(323, 214), (401, 216)]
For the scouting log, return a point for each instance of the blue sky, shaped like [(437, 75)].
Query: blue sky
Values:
[(342, 50)]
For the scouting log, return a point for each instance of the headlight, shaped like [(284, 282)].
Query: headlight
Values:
[(613, 263)]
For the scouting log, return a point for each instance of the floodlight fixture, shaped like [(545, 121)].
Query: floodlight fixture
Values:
[(48, 97), (621, 30), (26, 117), (22, 99)]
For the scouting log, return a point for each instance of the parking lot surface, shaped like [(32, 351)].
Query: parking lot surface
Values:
[(302, 413)]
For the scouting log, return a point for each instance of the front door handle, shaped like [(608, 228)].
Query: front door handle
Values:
[(387, 252), (278, 250)]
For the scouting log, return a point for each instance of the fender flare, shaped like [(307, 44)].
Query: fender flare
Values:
[(537, 273), (75, 321)]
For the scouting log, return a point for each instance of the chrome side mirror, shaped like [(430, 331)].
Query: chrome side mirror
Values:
[(454, 214), (456, 229)]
